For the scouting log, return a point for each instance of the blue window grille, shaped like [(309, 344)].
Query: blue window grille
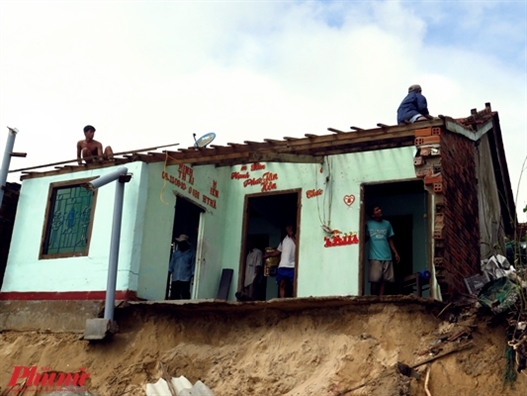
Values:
[(68, 226)]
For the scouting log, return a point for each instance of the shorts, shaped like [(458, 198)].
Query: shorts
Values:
[(285, 273), (381, 271)]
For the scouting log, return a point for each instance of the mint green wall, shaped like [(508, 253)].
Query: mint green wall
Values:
[(158, 221), (321, 271), (25, 272), (147, 226)]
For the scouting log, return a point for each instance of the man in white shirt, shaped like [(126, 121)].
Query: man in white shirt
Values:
[(285, 275)]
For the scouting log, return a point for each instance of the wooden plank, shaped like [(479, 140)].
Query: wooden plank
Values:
[(225, 284), (356, 128), (289, 138), (75, 160), (383, 125), (310, 135), (335, 130), (283, 157)]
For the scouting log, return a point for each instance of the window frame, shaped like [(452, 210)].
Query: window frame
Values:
[(48, 215)]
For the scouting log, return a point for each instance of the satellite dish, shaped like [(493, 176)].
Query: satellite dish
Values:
[(204, 140)]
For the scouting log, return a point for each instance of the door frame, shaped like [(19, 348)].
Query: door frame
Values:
[(362, 234), (245, 227)]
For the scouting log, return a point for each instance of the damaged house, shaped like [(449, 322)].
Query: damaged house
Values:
[(443, 184)]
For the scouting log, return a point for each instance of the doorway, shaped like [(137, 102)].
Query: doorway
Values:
[(265, 218), (405, 205), (187, 217)]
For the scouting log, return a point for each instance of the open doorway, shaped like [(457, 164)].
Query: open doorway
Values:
[(405, 205), (265, 219), (186, 221)]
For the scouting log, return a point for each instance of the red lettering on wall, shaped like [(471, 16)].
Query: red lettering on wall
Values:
[(185, 171), (238, 175), (209, 201), (252, 182), (268, 176), (173, 180), (268, 186), (257, 166), (193, 192), (244, 168), (214, 189), (313, 193)]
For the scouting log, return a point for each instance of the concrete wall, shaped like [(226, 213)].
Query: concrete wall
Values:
[(162, 186), (490, 220), (27, 273), (148, 216), (321, 271)]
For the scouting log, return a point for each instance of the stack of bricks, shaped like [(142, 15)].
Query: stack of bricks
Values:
[(427, 163), (446, 163)]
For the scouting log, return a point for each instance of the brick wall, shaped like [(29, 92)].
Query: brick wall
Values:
[(461, 251)]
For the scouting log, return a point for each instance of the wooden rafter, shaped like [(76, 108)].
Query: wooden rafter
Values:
[(309, 149)]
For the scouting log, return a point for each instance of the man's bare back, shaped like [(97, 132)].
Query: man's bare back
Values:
[(90, 150)]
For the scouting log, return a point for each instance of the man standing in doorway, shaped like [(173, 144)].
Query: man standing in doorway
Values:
[(182, 265), (380, 234), (285, 275)]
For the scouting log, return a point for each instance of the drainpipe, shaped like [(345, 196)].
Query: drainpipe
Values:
[(120, 175), (10, 143)]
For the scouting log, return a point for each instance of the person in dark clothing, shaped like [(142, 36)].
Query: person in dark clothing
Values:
[(413, 107)]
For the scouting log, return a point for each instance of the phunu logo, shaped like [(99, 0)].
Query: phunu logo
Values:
[(47, 378)]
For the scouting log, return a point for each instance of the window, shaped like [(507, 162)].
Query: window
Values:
[(69, 219)]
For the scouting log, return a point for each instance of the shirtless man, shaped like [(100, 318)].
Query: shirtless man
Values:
[(90, 149)]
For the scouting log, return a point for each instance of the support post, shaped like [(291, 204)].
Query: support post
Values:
[(114, 251), (10, 143)]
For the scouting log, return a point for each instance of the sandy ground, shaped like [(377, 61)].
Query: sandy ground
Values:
[(295, 350)]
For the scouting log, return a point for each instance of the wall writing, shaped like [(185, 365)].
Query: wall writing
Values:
[(267, 180), (341, 239), (313, 193), (185, 181)]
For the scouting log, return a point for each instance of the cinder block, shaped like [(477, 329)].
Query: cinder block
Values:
[(438, 188), (434, 178), (419, 141), (425, 170), (425, 151), (418, 161), (436, 131), (438, 262), (423, 132)]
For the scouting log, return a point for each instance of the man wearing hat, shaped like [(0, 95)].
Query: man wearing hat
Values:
[(182, 264), (413, 107)]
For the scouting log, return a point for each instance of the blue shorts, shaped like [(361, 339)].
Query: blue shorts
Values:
[(285, 273)]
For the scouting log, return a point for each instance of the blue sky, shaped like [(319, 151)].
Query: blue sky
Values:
[(153, 73)]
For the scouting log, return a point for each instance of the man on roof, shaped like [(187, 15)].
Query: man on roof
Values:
[(90, 150), (413, 107)]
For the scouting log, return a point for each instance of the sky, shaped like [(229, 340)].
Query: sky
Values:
[(154, 73)]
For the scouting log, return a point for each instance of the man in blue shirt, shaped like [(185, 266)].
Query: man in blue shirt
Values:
[(182, 265), (413, 107), (380, 234)]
